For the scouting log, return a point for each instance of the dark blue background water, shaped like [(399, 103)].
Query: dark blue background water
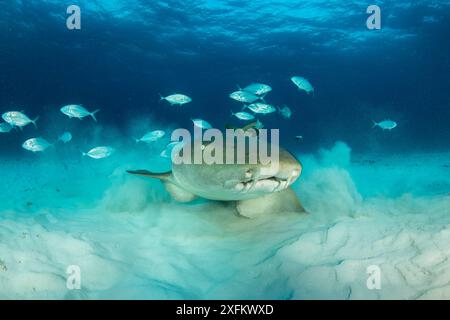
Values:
[(128, 52)]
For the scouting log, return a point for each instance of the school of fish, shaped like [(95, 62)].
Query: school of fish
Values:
[(251, 96)]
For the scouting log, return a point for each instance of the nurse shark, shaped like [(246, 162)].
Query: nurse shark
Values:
[(256, 189)]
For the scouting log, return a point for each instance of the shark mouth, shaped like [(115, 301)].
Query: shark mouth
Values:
[(267, 185), (262, 184)]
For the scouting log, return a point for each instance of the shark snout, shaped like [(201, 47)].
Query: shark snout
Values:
[(267, 181), (289, 170), (295, 173)]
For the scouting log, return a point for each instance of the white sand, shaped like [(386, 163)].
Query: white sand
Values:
[(131, 241)]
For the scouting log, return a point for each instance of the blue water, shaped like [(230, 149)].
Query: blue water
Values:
[(127, 53)]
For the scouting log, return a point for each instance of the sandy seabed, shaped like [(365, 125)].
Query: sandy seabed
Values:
[(132, 242)]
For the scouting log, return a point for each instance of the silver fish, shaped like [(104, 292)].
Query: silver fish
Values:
[(152, 136), (177, 98), (303, 84), (262, 108), (36, 145), (18, 119), (385, 124), (78, 111), (244, 96), (201, 123), (258, 89), (285, 112), (65, 137), (167, 152), (243, 115), (5, 127), (99, 152), (259, 124)]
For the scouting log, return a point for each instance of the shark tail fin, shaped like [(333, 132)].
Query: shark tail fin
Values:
[(93, 114), (164, 176)]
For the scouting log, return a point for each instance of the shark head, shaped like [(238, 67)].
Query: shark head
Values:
[(238, 181)]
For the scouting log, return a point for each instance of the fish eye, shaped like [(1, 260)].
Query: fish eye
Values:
[(249, 173)]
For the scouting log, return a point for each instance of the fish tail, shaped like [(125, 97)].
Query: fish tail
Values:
[(232, 113), (244, 107), (161, 97), (83, 153), (93, 114), (374, 124), (262, 98), (34, 121), (239, 87)]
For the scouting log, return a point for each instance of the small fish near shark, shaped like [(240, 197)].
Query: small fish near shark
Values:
[(5, 127), (18, 119), (203, 124), (167, 152), (78, 111), (303, 84), (285, 112), (243, 115), (99, 152), (36, 145), (385, 124), (260, 108), (176, 99), (151, 136), (66, 137), (259, 89), (244, 96), (254, 188)]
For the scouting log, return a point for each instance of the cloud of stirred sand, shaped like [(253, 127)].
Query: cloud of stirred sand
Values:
[(131, 240)]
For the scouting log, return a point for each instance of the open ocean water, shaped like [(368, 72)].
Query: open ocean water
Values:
[(75, 227)]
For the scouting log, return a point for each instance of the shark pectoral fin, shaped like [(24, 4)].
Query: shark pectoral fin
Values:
[(176, 192), (277, 202), (179, 194), (145, 173)]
